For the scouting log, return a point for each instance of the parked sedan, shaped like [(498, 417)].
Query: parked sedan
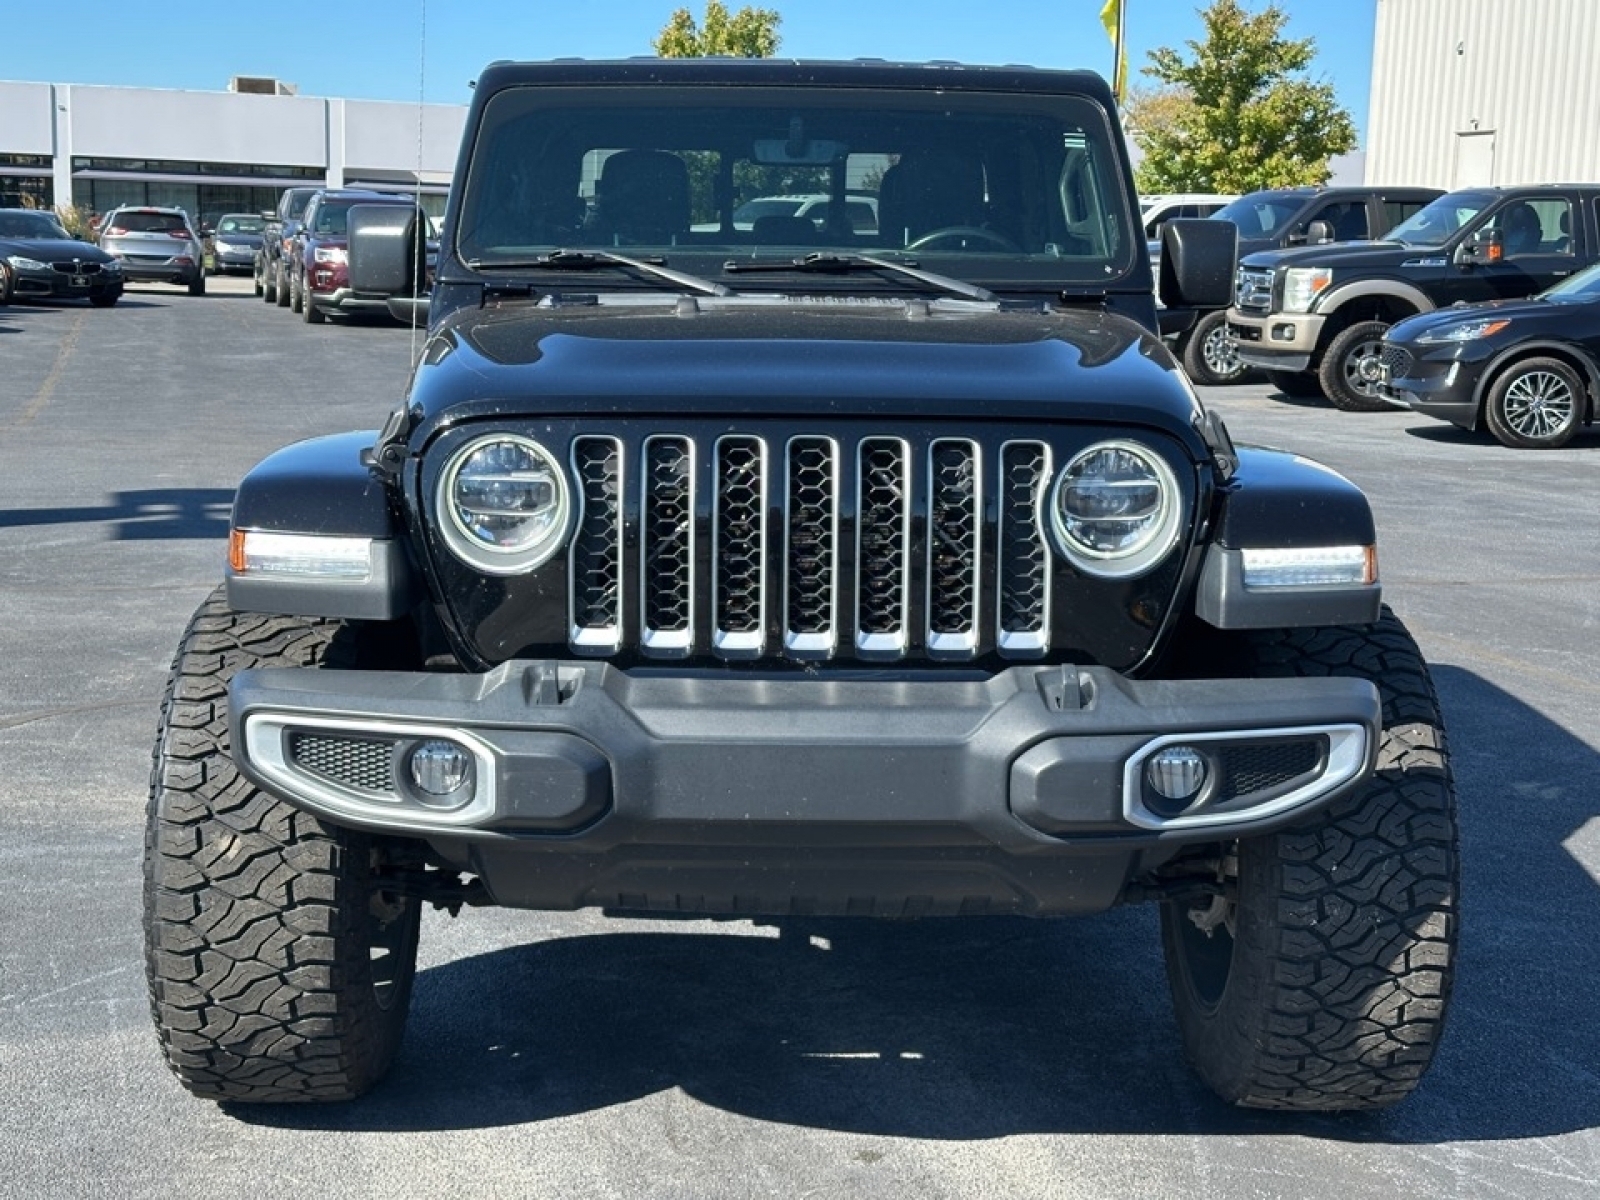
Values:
[(39, 260), (156, 245), (1527, 369), (236, 242)]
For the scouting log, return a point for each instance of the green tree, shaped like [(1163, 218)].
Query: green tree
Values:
[(1240, 112), (748, 33)]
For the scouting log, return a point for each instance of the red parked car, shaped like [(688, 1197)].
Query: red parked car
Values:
[(319, 275)]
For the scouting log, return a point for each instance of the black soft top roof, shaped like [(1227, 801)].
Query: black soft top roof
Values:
[(861, 72)]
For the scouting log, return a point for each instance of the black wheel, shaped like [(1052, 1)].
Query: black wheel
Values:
[(297, 291), (255, 276), (269, 283), (280, 284), (1208, 352), (1318, 980), (1350, 369), (1536, 404), (197, 285), (277, 971), (5, 284), (1302, 385), (310, 313), (105, 299)]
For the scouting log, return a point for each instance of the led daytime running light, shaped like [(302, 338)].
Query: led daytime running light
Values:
[(1316, 566), (299, 555)]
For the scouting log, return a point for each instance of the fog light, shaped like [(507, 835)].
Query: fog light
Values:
[(1177, 772), (441, 770), (1283, 333)]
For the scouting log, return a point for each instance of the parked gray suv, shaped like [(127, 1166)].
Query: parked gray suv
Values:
[(155, 245)]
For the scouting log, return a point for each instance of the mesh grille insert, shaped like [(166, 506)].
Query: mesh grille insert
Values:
[(811, 550), (1249, 769), (668, 537), (954, 509), (883, 528), (365, 764), (741, 538), (597, 544)]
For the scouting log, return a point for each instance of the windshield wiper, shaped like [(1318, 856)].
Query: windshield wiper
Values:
[(843, 264), (593, 260)]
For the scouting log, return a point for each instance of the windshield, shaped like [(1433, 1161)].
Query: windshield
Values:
[(1440, 221), (35, 226), (241, 225), (1585, 283), (147, 222), (1002, 188), (1260, 214)]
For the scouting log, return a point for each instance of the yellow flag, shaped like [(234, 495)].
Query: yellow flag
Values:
[(1111, 18)]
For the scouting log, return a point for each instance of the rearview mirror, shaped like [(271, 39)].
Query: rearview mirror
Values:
[(806, 152)]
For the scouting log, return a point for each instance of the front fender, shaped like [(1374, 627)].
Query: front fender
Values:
[(321, 489), (1277, 500), (1341, 294)]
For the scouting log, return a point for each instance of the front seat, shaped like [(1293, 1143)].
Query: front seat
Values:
[(1520, 230), (642, 198), (929, 190)]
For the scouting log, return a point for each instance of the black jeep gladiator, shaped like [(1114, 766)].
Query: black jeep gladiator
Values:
[(802, 569), (1314, 318)]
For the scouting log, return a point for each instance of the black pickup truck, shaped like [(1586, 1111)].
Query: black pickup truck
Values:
[(272, 273), (1314, 318), (793, 569), (1274, 219)]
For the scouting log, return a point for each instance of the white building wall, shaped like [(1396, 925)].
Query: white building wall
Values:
[(143, 123), (28, 116), (1471, 92), (382, 135)]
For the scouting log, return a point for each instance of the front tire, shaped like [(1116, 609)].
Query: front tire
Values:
[(1536, 404), (278, 970), (269, 284), (1323, 981), (297, 291), (1209, 355), (280, 284), (197, 285), (1349, 371)]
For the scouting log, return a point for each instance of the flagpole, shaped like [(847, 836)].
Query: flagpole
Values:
[(1119, 67)]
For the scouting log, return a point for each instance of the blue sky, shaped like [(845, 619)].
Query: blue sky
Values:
[(188, 44)]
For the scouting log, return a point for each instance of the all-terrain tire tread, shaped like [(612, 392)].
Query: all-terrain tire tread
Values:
[(1354, 977), (247, 899)]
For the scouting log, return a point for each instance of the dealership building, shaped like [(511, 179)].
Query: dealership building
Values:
[(214, 152)]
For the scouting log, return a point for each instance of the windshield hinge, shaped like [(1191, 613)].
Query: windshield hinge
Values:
[(1216, 437), (387, 453)]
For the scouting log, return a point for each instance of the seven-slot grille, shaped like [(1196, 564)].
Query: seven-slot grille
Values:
[(810, 551), (1253, 290)]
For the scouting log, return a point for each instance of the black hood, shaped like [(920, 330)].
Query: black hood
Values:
[(1357, 255), (54, 249), (656, 354)]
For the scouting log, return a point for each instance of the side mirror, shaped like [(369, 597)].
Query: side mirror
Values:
[(1197, 261), (1319, 233), (389, 257), (1485, 246), (269, 215)]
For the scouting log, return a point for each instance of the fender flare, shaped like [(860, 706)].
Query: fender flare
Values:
[(1357, 289)]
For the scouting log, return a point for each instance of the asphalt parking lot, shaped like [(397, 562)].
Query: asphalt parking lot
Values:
[(579, 1055)]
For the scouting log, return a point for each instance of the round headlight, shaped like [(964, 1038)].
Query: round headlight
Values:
[(505, 504), (1116, 511)]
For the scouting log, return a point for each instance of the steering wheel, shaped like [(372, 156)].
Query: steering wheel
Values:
[(929, 240)]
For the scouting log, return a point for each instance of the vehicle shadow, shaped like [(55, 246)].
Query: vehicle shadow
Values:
[(143, 515), (982, 1028), (1445, 434), (1299, 401)]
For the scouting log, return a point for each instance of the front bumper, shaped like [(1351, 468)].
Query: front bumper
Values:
[(1277, 341), (347, 300), (1439, 383), (50, 284), (1025, 791)]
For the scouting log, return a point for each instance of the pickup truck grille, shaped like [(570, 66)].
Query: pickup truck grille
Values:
[(1253, 290), (809, 552)]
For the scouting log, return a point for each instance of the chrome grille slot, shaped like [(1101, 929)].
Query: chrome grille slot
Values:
[(811, 547), (1253, 290), (362, 764), (595, 601), (955, 514), (883, 547), (739, 547), (666, 547), (1024, 559)]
